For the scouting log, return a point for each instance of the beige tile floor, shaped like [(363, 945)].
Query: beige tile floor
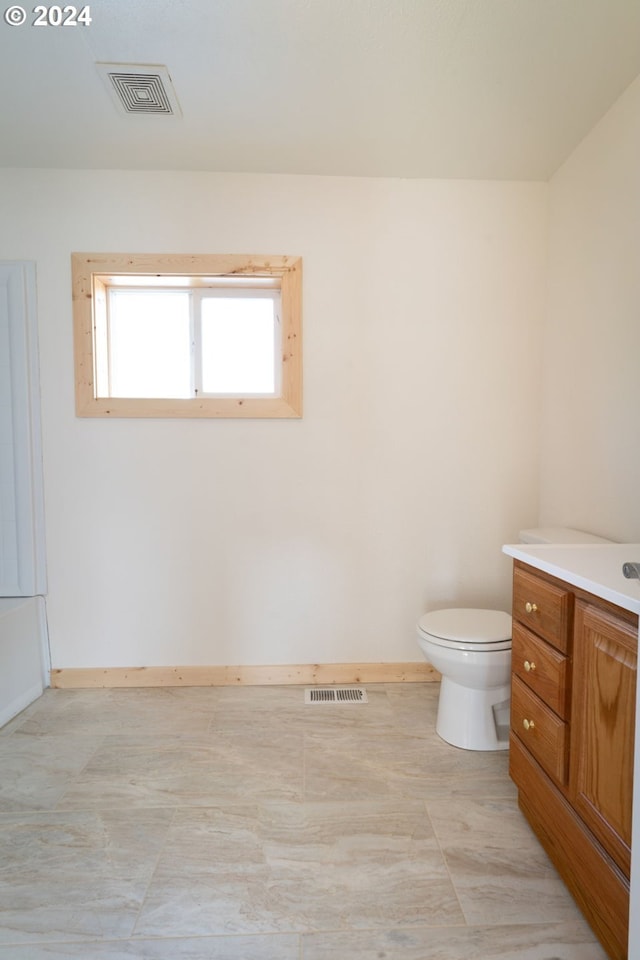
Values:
[(239, 824)]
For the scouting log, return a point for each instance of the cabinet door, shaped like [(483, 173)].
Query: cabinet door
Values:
[(602, 730)]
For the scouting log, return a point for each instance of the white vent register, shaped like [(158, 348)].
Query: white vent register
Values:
[(335, 695), (140, 88)]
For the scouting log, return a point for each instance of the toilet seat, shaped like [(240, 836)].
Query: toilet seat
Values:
[(467, 629)]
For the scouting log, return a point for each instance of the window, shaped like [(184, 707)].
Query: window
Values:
[(161, 340), (187, 336)]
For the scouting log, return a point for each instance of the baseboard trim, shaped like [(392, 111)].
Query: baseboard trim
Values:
[(310, 673)]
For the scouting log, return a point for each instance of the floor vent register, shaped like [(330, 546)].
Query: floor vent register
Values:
[(335, 695)]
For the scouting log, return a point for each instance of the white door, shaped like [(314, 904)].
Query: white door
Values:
[(22, 555), (24, 654)]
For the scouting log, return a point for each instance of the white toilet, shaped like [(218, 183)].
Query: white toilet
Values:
[(472, 651)]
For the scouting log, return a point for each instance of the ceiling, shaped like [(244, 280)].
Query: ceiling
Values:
[(497, 89)]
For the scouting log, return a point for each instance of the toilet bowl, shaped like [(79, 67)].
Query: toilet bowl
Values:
[(471, 649)]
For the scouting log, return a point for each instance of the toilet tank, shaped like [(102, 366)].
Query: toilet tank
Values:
[(558, 535)]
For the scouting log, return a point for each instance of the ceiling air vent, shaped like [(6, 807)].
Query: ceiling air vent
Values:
[(139, 88)]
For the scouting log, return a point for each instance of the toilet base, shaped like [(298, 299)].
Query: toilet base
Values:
[(473, 719)]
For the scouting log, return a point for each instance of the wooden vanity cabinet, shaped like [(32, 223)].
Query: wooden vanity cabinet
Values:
[(574, 662)]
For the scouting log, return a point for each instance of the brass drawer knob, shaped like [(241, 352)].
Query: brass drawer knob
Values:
[(528, 724), (530, 607), (529, 665)]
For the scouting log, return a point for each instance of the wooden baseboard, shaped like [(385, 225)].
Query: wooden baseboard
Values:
[(307, 673)]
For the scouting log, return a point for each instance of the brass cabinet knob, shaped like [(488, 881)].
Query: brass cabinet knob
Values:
[(528, 724), (530, 607), (529, 665)]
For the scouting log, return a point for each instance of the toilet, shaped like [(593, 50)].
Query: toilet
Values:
[(471, 649)]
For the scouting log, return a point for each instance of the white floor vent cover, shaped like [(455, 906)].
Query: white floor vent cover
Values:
[(335, 695)]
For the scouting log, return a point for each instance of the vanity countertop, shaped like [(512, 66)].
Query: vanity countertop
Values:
[(596, 568)]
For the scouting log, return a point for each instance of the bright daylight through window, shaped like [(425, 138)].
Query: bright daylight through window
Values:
[(187, 336)]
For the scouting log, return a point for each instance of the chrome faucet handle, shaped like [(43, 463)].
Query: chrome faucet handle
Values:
[(631, 571)]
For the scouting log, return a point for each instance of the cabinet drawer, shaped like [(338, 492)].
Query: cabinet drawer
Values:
[(540, 730), (542, 668), (542, 607)]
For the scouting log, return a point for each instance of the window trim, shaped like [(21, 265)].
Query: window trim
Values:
[(91, 274)]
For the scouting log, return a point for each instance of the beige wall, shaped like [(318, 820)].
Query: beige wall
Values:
[(320, 540), (590, 465)]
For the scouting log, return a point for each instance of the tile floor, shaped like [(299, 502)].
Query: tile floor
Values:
[(241, 824)]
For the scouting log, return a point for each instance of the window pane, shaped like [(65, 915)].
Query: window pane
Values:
[(149, 347), (238, 345)]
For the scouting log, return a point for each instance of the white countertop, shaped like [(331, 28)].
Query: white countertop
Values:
[(596, 568)]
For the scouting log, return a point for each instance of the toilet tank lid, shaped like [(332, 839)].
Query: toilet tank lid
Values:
[(467, 625), (558, 535)]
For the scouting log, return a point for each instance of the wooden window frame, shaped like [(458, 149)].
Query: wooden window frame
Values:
[(91, 273)]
